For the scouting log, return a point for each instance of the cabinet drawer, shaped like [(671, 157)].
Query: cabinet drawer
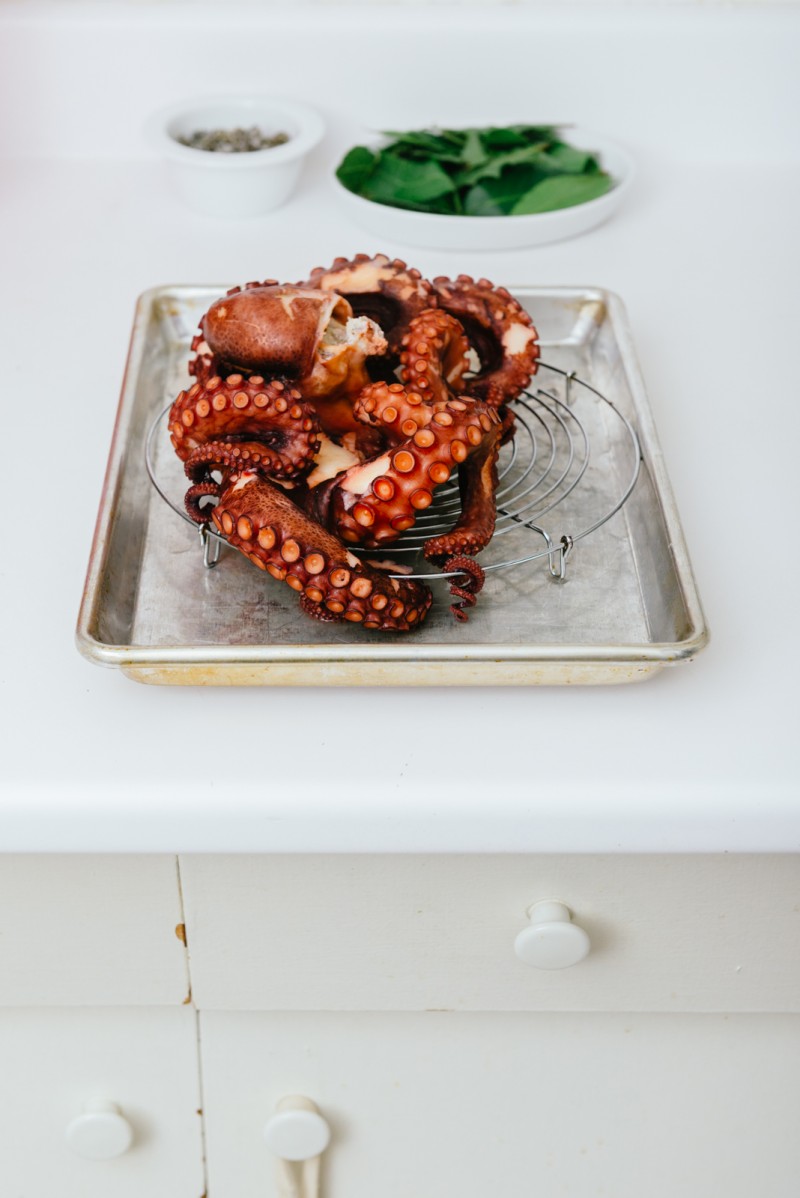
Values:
[(437, 1105), (668, 933), (90, 930), (56, 1062)]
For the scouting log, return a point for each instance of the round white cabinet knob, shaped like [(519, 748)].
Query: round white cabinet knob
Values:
[(100, 1133), (297, 1131), (552, 940)]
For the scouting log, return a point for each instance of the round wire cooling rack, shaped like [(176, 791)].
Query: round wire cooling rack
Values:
[(545, 463)]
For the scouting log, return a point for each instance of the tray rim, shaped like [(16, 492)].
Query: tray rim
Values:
[(603, 656)]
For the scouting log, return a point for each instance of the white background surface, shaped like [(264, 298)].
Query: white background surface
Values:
[(705, 256)]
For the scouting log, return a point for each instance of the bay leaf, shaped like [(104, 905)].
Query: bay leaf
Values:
[(356, 167), (497, 197), (563, 159), (562, 191), (492, 168), (400, 181)]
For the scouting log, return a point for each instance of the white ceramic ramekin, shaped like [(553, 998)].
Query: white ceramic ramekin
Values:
[(235, 184)]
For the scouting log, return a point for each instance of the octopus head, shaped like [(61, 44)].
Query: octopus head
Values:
[(300, 333)]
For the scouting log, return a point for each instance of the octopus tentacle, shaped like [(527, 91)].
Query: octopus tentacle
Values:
[(237, 455), (246, 410), (203, 365), (194, 495), (317, 611), (373, 503), (474, 528), (385, 289), (434, 355), (392, 407), (261, 520), (467, 589), (500, 332)]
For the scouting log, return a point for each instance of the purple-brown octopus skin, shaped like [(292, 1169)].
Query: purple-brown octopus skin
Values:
[(382, 288), (307, 335), (225, 424), (499, 330), (260, 520), (373, 503), (305, 455)]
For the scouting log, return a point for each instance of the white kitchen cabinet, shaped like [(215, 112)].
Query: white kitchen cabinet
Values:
[(91, 929), (433, 1105), (56, 1062), (386, 988), (409, 933)]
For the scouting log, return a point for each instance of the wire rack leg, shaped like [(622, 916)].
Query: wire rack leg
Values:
[(211, 548)]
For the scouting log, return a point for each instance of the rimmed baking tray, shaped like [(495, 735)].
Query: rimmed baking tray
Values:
[(627, 607)]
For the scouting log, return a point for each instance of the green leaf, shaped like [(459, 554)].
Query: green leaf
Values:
[(497, 197), (356, 167), (473, 153), (427, 143), (514, 136), (564, 159), (493, 168), (404, 183), (562, 191), (480, 202)]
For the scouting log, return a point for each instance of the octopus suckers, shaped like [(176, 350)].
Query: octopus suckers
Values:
[(404, 462), (284, 429), (314, 563), (363, 515), (384, 488), (439, 472)]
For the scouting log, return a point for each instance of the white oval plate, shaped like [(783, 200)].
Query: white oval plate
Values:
[(433, 231)]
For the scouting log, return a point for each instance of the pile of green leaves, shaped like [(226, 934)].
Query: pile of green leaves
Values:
[(510, 171)]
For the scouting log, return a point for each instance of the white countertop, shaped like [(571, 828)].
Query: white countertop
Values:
[(701, 758)]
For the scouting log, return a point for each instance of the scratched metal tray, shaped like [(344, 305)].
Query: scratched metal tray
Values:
[(626, 607)]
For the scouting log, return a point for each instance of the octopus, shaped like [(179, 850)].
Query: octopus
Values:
[(325, 414)]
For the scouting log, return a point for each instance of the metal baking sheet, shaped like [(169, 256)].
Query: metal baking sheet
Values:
[(627, 605)]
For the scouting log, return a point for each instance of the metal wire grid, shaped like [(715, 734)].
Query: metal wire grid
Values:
[(543, 464)]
